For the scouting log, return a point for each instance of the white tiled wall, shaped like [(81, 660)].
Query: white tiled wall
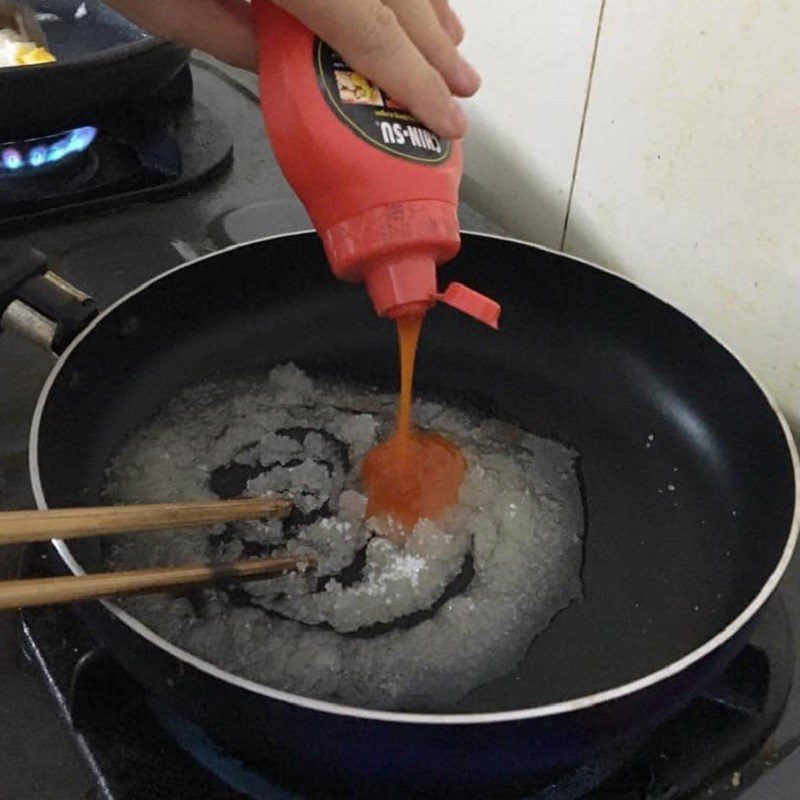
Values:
[(689, 172), (534, 56), (688, 178)]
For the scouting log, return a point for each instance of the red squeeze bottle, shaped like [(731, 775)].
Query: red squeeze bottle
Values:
[(380, 188)]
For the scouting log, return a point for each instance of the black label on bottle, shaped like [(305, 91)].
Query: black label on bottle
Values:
[(372, 114)]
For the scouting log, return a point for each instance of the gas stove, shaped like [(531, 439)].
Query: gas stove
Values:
[(98, 734), (157, 151)]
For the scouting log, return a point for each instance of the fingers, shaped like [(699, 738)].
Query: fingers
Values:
[(223, 28), (449, 20), (407, 47), (422, 24), (370, 37)]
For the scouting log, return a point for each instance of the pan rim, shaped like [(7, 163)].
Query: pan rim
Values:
[(496, 717)]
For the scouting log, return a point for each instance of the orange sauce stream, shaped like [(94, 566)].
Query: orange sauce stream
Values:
[(413, 475)]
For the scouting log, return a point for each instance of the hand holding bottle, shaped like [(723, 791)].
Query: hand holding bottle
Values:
[(407, 47)]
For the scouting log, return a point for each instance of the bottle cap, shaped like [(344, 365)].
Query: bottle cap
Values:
[(470, 302)]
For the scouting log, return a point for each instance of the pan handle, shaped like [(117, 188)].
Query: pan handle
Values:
[(37, 303)]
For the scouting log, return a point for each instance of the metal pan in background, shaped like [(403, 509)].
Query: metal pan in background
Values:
[(103, 63)]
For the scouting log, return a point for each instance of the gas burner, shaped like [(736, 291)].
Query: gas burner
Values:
[(47, 167), (136, 747), (165, 148), (45, 154)]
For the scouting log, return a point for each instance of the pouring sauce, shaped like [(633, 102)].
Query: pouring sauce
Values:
[(413, 475)]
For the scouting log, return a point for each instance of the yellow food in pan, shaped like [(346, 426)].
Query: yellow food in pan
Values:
[(15, 51)]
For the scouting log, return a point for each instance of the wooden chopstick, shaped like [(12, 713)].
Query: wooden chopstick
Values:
[(19, 527), (49, 591)]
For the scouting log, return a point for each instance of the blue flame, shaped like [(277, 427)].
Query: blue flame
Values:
[(81, 138), (36, 154), (12, 158), (74, 142)]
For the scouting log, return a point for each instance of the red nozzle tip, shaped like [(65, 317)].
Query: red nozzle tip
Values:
[(403, 286), (467, 300)]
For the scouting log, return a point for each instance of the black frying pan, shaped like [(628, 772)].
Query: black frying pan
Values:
[(103, 63), (672, 579)]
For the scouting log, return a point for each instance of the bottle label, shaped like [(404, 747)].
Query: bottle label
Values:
[(372, 114)]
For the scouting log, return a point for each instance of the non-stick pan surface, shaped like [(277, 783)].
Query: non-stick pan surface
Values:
[(687, 468), (102, 61), (76, 29)]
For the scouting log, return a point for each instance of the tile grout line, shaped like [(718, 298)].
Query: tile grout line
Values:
[(592, 64)]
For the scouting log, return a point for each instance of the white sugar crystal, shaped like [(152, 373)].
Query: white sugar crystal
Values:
[(273, 447), (352, 506), (290, 384), (519, 520), (310, 476), (359, 431), (269, 483), (261, 531)]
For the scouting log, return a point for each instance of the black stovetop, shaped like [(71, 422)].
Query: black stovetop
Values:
[(123, 747)]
